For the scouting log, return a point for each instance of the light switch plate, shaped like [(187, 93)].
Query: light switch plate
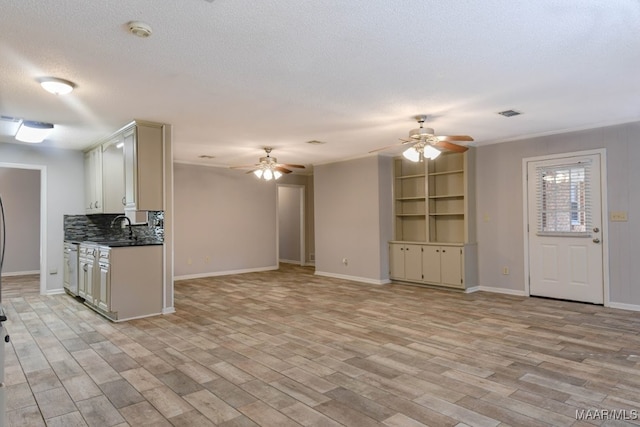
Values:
[(618, 216)]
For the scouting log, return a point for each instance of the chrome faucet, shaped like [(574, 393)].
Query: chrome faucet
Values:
[(121, 217)]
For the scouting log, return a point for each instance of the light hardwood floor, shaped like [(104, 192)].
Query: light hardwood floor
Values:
[(287, 348)]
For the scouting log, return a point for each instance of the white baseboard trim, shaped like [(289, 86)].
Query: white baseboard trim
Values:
[(353, 278), (500, 291), (55, 292), (225, 273), (20, 273), (472, 289), (624, 306), (290, 261), (168, 310)]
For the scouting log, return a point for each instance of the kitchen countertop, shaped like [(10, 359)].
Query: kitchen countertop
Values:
[(117, 243)]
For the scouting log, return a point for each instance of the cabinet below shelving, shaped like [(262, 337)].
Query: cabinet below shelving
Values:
[(452, 265)]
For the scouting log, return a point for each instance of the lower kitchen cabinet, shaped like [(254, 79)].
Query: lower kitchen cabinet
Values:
[(122, 283), (452, 265)]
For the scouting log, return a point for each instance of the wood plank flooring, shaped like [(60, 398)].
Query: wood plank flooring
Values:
[(287, 348)]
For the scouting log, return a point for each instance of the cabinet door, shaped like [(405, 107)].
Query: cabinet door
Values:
[(413, 262), (431, 264), (93, 181), (451, 266), (66, 267), (396, 254), (113, 176), (101, 293), (89, 282), (83, 277), (130, 166)]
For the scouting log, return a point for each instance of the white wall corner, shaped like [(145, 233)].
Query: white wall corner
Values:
[(168, 310)]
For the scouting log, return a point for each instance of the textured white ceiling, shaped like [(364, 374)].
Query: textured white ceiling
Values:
[(233, 76)]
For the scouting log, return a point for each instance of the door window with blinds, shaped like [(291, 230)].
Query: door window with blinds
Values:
[(563, 199)]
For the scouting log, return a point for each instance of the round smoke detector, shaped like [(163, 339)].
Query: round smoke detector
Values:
[(139, 28)]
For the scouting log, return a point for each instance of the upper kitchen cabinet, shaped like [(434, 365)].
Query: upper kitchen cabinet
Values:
[(124, 172), (113, 175), (143, 161), (93, 181)]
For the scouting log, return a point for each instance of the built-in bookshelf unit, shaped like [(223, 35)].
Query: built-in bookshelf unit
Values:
[(435, 221), (410, 201)]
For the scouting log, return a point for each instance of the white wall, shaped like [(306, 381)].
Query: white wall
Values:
[(224, 221), (20, 191), (500, 205), (64, 192), (353, 218)]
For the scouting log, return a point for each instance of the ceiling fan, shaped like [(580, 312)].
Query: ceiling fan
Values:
[(269, 168), (427, 144)]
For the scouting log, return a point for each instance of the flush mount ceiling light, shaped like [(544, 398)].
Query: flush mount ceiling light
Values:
[(140, 29), (56, 86), (33, 132)]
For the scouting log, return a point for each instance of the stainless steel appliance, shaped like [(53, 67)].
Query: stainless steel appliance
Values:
[(71, 268), (4, 336)]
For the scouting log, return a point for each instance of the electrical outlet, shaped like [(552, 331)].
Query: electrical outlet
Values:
[(618, 216), (345, 261), (207, 259), (189, 261), (505, 270)]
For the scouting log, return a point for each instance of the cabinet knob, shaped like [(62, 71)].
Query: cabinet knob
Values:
[(443, 251), (402, 249), (123, 201), (437, 250)]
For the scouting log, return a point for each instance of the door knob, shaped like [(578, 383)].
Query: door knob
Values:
[(596, 240), (596, 229)]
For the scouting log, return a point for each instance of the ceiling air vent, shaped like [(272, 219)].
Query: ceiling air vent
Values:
[(316, 142), (509, 113), (206, 156)]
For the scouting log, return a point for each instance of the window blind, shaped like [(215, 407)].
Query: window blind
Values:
[(564, 199)]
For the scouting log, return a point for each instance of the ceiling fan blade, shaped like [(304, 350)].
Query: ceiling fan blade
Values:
[(243, 166), (451, 147), (292, 166), (252, 171), (387, 147), (455, 138), (281, 169)]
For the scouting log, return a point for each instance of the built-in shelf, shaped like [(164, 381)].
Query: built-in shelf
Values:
[(446, 172), (411, 176), (448, 196), (400, 199), (435, 221)]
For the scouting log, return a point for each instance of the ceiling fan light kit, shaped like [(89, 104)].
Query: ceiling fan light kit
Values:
[(426, 144), (268, 169)]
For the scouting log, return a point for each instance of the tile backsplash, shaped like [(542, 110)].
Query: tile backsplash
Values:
[(98, 227)]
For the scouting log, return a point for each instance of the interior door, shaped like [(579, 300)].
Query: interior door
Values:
[(564, 207)]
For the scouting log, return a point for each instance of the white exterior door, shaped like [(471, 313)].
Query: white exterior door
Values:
[(564, 214)]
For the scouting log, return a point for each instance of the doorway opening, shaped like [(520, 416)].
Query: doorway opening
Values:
[(30, 247), (291, 224)]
